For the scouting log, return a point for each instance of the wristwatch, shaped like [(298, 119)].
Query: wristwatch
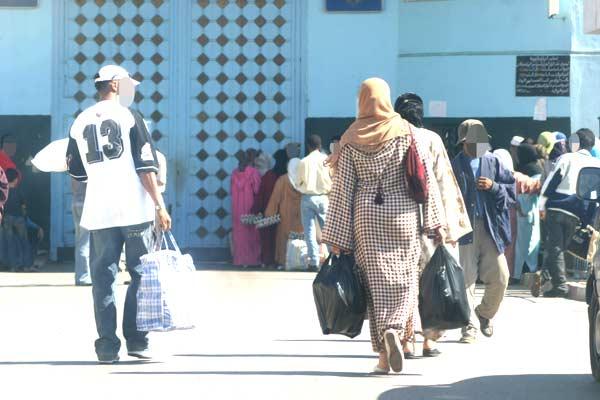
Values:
[(158, 207)]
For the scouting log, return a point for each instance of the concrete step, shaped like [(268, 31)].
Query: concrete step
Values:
[(576, 288)]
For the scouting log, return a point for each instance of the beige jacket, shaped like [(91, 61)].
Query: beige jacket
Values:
[(457, 219)]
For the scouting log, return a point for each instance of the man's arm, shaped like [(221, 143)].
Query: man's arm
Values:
[(502, 187), (146, 165), (74, 162), (552, 181), (151, 185)]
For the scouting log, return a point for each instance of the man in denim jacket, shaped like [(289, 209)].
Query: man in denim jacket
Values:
[(488, 189)]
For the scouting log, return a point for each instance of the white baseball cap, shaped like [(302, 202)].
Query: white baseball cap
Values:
[(114, 72), (126, 83)]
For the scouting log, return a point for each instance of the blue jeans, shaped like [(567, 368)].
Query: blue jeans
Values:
[(105, 250), (313, 207), (17, 251), (82, 247)]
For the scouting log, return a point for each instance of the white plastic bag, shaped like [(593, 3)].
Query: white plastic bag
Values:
[(295, 255), (53, 157), (166, 289)]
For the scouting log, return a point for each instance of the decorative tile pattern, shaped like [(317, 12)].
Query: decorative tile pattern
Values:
[(241, 87), (128, 33)]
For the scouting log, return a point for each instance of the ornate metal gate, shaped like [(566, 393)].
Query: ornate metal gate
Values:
[(218, 77)]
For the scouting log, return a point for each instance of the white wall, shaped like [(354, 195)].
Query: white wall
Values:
[(26, 59)]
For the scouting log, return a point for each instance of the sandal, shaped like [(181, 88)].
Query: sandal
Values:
[(393, 349)]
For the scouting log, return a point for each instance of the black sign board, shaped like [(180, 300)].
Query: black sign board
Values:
[(354, 5), (543, 76), (18, 3)]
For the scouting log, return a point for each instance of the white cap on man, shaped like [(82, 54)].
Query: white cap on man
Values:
[(114, 72), (516, 140), (126, 83)]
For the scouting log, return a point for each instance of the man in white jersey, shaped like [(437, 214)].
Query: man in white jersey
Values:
[(110, 148)]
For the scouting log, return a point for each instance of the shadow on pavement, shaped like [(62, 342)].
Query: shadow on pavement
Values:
[(324, 340), (504, 387), (77, 363), (264, 373), (39, 285), (277, 356)]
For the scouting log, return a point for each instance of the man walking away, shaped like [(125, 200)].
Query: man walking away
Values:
[(111, 148), (314, 182), (561, 223), (488, 190)]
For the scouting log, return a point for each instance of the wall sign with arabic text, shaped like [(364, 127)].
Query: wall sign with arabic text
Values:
[(543, 76)]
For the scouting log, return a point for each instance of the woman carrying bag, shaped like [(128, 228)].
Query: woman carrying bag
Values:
[(373, 214)]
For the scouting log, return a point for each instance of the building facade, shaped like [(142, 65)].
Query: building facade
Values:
[(220, 76)]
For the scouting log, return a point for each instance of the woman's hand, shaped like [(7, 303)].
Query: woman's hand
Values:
[(440, 236)]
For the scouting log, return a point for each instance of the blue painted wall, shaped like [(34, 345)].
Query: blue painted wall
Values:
[(460, 51), (343, 50), (26, 50), (585, 72)]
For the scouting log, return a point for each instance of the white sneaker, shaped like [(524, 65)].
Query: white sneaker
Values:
[(108, 359)]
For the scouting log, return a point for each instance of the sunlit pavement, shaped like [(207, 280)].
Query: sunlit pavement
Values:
[(258, 337)]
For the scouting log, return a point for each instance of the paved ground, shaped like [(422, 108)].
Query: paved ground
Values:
[(258, 338)]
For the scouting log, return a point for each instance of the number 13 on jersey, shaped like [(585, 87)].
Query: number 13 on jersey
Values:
[(113, 149)]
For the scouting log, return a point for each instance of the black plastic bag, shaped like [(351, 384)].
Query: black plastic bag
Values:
[(443, 300), (579, 244), (339, 297)]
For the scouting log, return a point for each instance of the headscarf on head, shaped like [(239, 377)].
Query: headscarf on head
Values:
[(505, 159), (541, 150), (251, 154), (281, 162), (376, 122), (292, 168), (243, 160), (293, 150), (547, 140), (528, 160), (263, 162), (559, 149), (410, 107)]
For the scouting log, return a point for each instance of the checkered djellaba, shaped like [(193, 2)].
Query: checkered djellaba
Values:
[(384, 237)]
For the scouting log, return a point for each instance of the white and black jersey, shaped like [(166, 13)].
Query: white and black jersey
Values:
[(109, 145)]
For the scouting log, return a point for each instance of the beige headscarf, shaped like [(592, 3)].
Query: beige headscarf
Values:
[(376, 122)]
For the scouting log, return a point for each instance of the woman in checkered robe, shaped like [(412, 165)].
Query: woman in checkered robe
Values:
[(383, 235)]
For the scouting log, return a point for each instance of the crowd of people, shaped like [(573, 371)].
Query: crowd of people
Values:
[(292, 195), (500, 212), (495, 210), (20, 236)]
